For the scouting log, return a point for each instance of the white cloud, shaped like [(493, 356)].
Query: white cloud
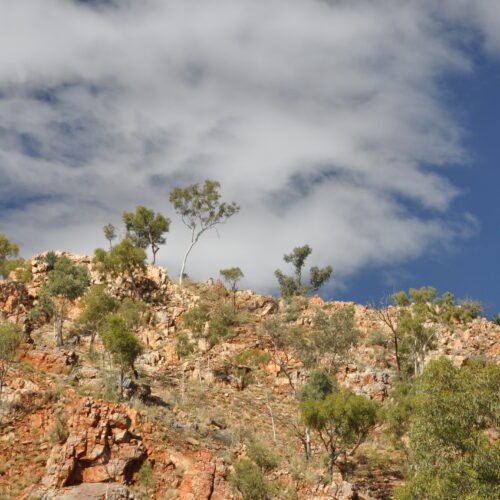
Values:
[(321, 119)]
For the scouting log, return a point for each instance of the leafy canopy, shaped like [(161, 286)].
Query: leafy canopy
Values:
[(120, 342), (342, 420), (146, 228), (7, 250), (123, 260), (292, 286), (10, 338), (109, 233), (200, 209), (231, 276), (67, 280), (452, 453)]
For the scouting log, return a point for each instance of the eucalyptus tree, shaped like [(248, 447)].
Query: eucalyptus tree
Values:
[(146, 228), (292, 286), (200, 209)]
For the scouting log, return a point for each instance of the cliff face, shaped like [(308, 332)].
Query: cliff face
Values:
[(188, 420)]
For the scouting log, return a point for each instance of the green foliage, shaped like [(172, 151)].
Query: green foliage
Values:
[(146, 228), (133, 312), (252, 357), (97, 305), (50, 259), (183, 346), (333, 336), (110, 233), (471, 308), (262, 456), (250, 482), (10, 338), (291, 286), (120, 342), (286, 341), (67, 280), (20, 268), (318, 386), (7, 250), (418, 318), (398, 412), (65, 283), (496, 319), (231, 276), (123, 260), (342, 421), (200, 209), (452, 455), (146, 475), (221, 325), (59, 432), (196, 318)]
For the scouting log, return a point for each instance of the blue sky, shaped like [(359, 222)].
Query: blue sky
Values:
[(471, 268), (365, 129)]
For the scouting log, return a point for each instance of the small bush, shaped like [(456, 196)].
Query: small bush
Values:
[(146, 475), (473, 308), (378, 337), (183, 346), (59, 432), (263, 456), (250, 482)]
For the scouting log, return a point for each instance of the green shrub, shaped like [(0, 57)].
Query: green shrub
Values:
[(59, 432), (196, 318), (263, 456), (183, 346), (146, 475), (250, 482)]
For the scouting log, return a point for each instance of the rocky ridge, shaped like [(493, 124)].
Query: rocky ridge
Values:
[(106, 443)]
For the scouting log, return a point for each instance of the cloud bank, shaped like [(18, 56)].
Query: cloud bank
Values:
[(327, 121)]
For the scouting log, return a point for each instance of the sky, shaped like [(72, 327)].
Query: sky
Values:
[(367, 130)]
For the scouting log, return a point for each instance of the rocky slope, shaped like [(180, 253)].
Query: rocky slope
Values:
[(188, 421)]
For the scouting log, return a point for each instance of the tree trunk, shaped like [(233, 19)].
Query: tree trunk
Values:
[(184, 261), (272, 420), (58, 326), (308, 443), (121, 384)]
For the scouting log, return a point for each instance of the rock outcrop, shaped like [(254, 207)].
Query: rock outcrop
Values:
[(100, 447)]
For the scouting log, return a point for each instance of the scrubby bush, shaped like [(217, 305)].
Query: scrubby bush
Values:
[(250, 482), (263, 456), (10, 338)]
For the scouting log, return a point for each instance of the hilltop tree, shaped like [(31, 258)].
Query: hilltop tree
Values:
[(292, 286), (110, 233), (65, 283), (10, 338), (122, 344), (146, 228), (200, 210), (231, 276), (7, 250), (124, 259)]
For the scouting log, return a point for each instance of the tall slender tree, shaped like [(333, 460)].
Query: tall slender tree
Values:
[(200, 209), (109, 233)]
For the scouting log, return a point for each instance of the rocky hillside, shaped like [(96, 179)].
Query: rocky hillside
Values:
[(184, 422)]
